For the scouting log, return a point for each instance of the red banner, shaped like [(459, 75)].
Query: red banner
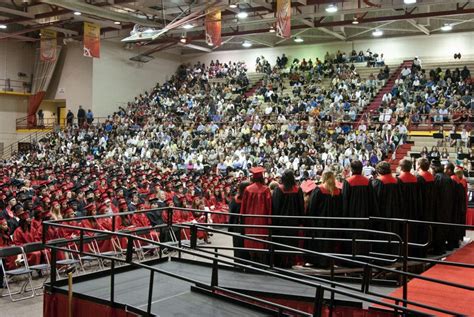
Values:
[(91, 40), (48, 45), (213, 27), (283, 15)]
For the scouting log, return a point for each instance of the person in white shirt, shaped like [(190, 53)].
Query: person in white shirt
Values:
[(368, 170)]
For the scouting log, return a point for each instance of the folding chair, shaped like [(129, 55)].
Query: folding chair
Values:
[(23, 271), (140, 247), (40, 268), (66, 263), (112, 253)]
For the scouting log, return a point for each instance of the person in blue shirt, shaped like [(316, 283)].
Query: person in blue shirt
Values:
[(89, 116)]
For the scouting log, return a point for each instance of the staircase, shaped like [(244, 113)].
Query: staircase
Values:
[(400, 153), (375, 104), (255, 80), (24, 143)]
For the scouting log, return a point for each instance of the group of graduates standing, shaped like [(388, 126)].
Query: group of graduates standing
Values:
[(434, 193)]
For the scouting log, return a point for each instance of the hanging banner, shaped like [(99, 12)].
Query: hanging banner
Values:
[(48, 45), (283, 18), (91, 40), (213, 27)]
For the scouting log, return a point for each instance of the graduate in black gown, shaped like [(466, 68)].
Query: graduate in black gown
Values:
[(326, 201), (358, 201), (426, 181), (411, 201), (459, 208), (444, 193), (389, 202), (287, 200), (234, 210)]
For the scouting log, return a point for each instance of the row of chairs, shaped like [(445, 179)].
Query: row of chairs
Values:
[(72, 259)]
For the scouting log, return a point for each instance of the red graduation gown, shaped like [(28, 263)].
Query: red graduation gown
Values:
[(6, 241), (256, 200), (21, 237)]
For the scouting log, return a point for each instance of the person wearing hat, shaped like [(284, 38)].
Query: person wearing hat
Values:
[(287, 200), (26, 234), (92, 223), (6, 241), (8, 212), (256, 200), (326, 201)]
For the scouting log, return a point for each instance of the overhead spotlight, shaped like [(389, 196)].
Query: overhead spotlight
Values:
[(117, 22), (242, 15), (409, 1), (3, 26), (355, 21), (183, 40), (377, 33), (272, 29), (77, 13), (447, 27), (331, 8), (209, 43), (188, 26), (247, 44), (298, 40), (233, 5)]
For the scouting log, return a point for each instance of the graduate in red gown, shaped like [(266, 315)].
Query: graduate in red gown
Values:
[(92, 223), (326, 201), (287, 200), (256, 200), (26, 234), (6, 241)]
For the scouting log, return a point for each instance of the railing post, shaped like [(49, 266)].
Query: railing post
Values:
[(215, 272), (150, 292), (81, 241), (271, 260), (53, 267), (318, 302), (129, 254), (112, 282), (193, 241), (405, 261)]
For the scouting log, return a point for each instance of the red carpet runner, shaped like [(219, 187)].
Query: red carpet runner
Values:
[(443, 296)]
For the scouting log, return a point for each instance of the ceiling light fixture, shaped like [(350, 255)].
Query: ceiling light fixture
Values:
[(355, 21), (247, 44), (232, 5), (117, 23), (377, 33), (447, 27), (3, 26), (183, 40), (331, 8), (188, 26), (149, 30), (298, 40), (77, 13), (209, 43), (409, 1), (242, 15), (272, 29)]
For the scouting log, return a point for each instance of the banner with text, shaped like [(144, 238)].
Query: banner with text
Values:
[(91, 40), (283, 21), (48, 45), (213, 27)]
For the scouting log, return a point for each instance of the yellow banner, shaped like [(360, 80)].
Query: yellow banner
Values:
[(91, 40), (48, 45)]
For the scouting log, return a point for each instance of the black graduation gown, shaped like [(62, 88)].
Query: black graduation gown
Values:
[(358, 201), (459, 214), (426, 181), (234, 218), (323, 204), (411, 207), (287, 203), (387, 192), (444, 193)]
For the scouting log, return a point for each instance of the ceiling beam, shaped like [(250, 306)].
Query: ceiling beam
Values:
[(330, 32), (17, 12), (371, 29), (258, 41), (17, 36), (420, 27), (293, 35), (196, 47)]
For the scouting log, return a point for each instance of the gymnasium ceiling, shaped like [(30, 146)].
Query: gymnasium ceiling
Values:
[(21, 20)]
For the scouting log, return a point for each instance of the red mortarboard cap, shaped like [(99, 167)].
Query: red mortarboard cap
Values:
[(90, 207), (257, 171), (308, 186)]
